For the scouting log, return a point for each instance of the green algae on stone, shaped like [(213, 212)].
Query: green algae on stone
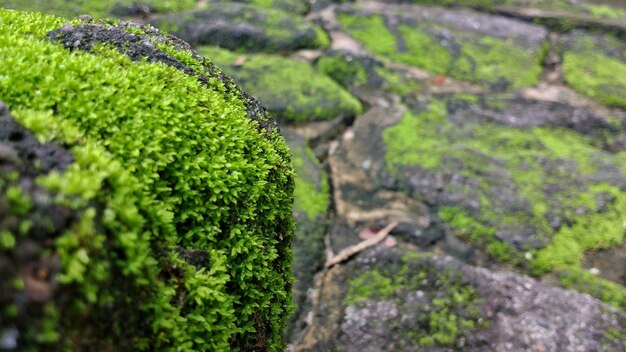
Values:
[(363, 73), (596, 67), (95, 8), (581, 280), (243, 27), (293, 91), (437, 46), (448, 306), (546, 190), (183, 186)]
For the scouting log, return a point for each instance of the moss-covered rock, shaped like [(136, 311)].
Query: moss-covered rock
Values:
[(365, 74), (539, 188), (98, 8), (145, 200), (595, 65), (293, 91), (395, 300), (493, 51), (243, 27)]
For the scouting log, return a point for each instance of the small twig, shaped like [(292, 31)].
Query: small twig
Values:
[(348, 252)]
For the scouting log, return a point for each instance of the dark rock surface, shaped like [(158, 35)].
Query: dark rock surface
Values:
[(238, 26)]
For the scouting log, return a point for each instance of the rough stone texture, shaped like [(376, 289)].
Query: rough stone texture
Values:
[(509, 312), (238, 26), (493, 51)]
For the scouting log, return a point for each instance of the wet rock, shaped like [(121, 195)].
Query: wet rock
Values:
[(398, 300), (238, 26), (493, 51), (595, 65), (291, 90)]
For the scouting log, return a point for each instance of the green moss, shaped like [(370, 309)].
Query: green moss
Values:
[(597, 76), (344, 72), (96, 8), (452, 311), (310, 198), (591, 231), (292, 90), (176, 165), (581, 280), (371, 31), (358, 73), (423, 51), (482, 59), (490, 60), (528, 157), (605, 11)]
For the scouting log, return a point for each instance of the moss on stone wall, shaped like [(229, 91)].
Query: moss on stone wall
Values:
[(448, 309), (182, 182), (292, 90), (505, 180), (475, 58)]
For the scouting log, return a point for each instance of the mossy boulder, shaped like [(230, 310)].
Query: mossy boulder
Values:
[(145, 200), (493, 51), (292, 90), (243, 27), (595, 65)]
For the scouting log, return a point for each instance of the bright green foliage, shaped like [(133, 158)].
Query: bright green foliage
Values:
[(177, 166), (95, 8), (452, 314), (482, 59), (310, 198), (598, 76), (591, 231), (292, 90), (529, 157)]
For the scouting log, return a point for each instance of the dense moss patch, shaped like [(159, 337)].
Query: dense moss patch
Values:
[(547, 192), (596, 67), (293, 91), (445, 50), (186, 189)]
